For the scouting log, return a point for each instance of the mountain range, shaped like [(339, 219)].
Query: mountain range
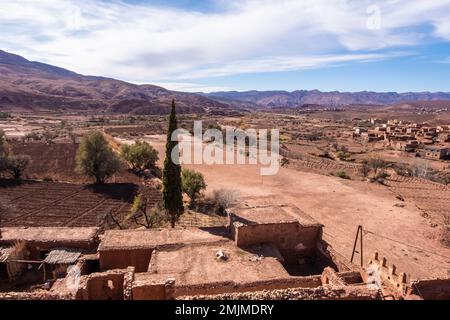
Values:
[(30, 85), (299, 98), (27, 85)]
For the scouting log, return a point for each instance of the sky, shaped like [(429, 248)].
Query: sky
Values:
[(222, 45)]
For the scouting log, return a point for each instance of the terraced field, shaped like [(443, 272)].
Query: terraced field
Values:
[(433, 199), (324, 166), (50, 204)]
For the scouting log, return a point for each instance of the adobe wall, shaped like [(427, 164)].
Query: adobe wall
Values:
[(320, 293), (431, 289), (40, 295), (150, 291), (292, 240), (231, 286), (121, 259), (103, 286)]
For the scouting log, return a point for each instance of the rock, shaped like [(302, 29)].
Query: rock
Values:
[(220, 255)]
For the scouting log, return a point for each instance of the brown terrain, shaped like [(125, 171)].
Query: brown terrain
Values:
[(50, 204), (290, 235), (342, 205)]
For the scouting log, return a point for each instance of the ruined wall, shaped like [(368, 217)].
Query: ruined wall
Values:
[(128, 280), (121, 259), (326, 256), (393, 283), (430, 289), (169, 289), (292, 240), (150, 291), (39, 295), (102, 286), (320, 293), (231, 286)]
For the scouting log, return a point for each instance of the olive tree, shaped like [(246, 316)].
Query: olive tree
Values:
[(96, 159), (140, 156), (192, 184), (16, 165)]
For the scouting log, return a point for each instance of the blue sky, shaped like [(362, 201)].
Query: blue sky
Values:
[(212, 45)]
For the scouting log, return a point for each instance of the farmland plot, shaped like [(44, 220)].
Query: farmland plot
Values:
[(50, 204)]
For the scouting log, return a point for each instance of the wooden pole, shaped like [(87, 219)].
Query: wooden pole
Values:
[(359, 234), (362, 255)]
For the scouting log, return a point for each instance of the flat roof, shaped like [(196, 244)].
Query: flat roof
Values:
[(142, 239), (62, 256), (269, 214), (199, 264), (30, 234)]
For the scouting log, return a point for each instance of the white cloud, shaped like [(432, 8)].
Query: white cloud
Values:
[(145, 43), (287, 63)]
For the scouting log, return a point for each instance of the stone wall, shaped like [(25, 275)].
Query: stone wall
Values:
[(39, 295), (320, 293), (230, 286)]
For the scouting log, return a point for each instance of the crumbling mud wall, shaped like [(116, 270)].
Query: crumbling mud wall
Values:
[(102, 286), (292, 240), (40, 295), (430, 289), (160, 289), (231, 286), (121, 259), (320, 293), (128, 280)]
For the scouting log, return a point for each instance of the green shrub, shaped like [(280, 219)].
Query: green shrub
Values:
[(342, 175)]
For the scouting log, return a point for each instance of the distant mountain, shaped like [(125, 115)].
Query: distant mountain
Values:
[(28, 85), (283, 99)]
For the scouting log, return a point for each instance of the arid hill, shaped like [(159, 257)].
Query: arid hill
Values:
[(37, 86)]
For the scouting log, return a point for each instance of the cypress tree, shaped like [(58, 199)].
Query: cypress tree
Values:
[(172, 194)]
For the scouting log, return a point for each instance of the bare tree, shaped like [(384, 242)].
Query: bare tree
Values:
[(421, 169), (146, 214), (110, 217), (225, 198), (377, 164)]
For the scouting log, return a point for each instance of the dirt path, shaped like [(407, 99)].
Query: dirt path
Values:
[(342, 205)]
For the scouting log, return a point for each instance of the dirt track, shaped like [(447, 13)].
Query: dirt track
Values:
[(341, 206)]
